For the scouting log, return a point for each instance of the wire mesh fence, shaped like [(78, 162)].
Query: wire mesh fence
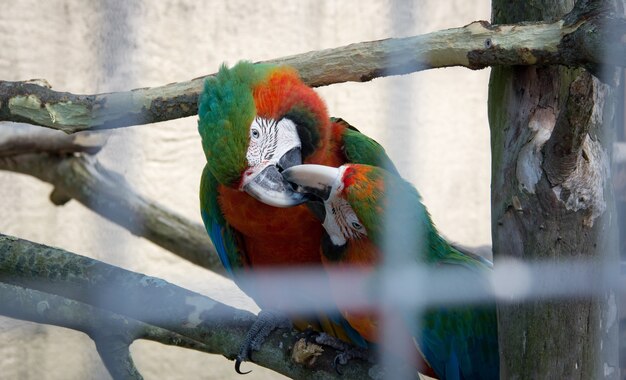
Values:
[(400, 285)]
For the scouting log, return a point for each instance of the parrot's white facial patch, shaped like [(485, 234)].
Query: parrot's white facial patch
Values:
[(341, 222), (274, 145), (269, 141)]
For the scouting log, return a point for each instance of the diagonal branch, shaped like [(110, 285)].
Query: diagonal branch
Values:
[(18, 139), (582, 38), (216, 327), (107, 193), (62, 160), (112, 332), (105, 328)]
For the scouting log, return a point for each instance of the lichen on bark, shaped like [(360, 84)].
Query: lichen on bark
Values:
[(552, 201)]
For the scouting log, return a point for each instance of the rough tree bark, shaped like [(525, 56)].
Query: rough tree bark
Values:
[(475, 46), (66, 162), (551, 194), (115, 306), (551, 133)]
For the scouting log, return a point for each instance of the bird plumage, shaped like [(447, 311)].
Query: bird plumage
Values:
[(458, 342), (247, 233)]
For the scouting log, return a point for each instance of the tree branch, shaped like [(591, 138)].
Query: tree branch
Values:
[(111, 332), (115, 355), (18, 139), (565, 145), (216, 327), (107, 193), (108, 330), (583, 38)]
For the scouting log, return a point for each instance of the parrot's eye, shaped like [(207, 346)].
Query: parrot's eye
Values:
[(357, 226), (255, 133)]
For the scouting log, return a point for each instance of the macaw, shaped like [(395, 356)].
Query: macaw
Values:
[(458, 342), (256, 120)]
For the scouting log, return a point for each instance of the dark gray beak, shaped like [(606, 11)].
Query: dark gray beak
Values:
[(289, 159), (317, 180), (271, 188)]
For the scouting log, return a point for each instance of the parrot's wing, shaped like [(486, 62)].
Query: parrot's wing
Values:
[(225, 239), (361, 149), (462, 341), (229, 246), (473, 255)]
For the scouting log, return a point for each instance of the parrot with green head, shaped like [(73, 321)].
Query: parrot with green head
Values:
[(458, 342), (255, 121)]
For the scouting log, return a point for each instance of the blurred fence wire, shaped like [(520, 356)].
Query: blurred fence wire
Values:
[(413, 286)]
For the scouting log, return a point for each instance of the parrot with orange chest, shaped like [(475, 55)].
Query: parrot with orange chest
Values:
[(255, 121), (457, 342)]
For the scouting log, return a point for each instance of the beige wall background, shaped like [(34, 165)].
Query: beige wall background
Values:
[(433, 124)]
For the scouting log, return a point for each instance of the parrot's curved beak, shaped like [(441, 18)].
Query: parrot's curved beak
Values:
[(270, 187), (317, 180)]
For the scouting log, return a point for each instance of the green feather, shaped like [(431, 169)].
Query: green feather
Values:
[(459, 338), (224, 237), (372, 206), (225, 110), (361, 149)]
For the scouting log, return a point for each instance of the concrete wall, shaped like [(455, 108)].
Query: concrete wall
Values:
[(433, 124)]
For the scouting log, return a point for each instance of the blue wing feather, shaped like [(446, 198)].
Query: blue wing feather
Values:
[(461, 342), (224, 238), (215, 233), (354, 336)]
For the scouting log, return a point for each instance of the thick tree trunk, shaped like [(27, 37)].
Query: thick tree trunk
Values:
[(551, 133)]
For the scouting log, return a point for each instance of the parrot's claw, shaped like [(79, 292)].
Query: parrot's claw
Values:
[(336, 363), (266, 322), (238, 362), (352, 353), (330, 341), (348, 352)]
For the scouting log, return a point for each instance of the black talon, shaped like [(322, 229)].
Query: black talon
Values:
[(238, 362), (266, 322), (336, 365)]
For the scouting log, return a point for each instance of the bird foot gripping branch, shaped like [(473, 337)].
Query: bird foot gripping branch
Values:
[(347, 351), (266, 322)]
